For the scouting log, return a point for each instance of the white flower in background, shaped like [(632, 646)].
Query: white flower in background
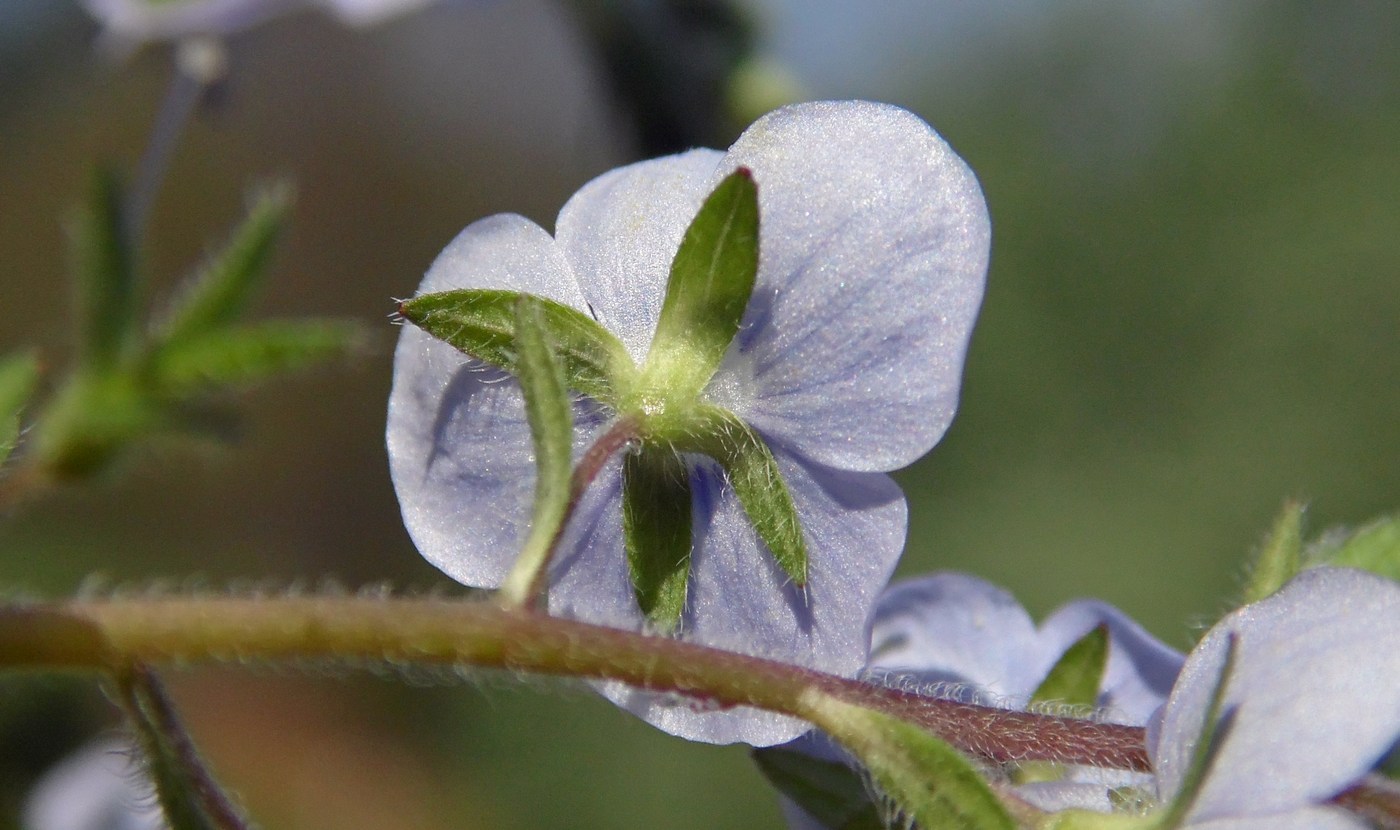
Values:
[(138, 21), (873, 245), (100, 787)]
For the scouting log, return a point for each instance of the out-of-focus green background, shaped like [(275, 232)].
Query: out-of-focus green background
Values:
[(1193, 313)]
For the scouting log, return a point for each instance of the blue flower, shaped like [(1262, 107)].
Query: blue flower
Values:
[(1311, 702), (873, 254), (954, 635)]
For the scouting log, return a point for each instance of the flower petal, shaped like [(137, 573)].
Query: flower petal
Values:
[(1140, 671), (873, 254), (957, 629), (460, 452), (1310, 818), (100, 787), (1312, 691), (621, 231), (739, 599)]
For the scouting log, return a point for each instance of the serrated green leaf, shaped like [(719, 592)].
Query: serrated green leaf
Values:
[(656, 525), (712, 278), (105, 279), (241, 355), (550, 413), (188, 794), (1374, 548), (18, 375), (828, 791), (1279, 558), (216, 294), (1077, 675), (481, 323), (758, 483), (930, 781)]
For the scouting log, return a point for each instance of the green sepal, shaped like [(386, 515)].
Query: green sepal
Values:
[(1280, 556), (758, 483), (549, 411), (481, 322), (656, 526), (189, 796), (105, 277), (1374, 547), (219, 291), (1076, 677), (712, 278), (18, 375), (243, 355), (828, 791), (930, 782)]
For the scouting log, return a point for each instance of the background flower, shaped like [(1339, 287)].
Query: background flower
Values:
[(873, 250)]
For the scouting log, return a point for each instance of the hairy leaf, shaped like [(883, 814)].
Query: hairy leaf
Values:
[(216, 294)]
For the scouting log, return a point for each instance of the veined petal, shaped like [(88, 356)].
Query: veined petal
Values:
[(1140, 670), (1312, 694), (873, 255), (621, 231), (957, 629), (739, 599), (459, 445)]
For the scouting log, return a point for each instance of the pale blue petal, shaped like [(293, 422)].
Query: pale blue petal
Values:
[(460, 452), (1140, 671), (100, 787), (1054, 796), (959, 635), (621, 232), (1313, 693), (738, 598), (873, 256), (1308, 818)]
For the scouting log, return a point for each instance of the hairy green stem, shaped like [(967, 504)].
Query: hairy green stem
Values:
[(102, 634)]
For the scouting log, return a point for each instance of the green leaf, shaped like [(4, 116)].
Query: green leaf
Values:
[(828, 791), (481, 323), (758, 483), (1077, 675), (712, 278), (1279, 558), (930, 781), (104, 276), (189, 796), (18, 375), (550, 413), (216, 294), (89, 420), (656, 524), (237, 356), (1374, 548)]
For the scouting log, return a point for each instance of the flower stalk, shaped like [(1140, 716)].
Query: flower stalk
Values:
[(105, 635)]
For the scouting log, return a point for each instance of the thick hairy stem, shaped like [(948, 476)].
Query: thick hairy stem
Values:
[(101, 634)]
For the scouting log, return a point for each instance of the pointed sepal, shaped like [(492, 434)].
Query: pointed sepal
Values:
[(481, 323)]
